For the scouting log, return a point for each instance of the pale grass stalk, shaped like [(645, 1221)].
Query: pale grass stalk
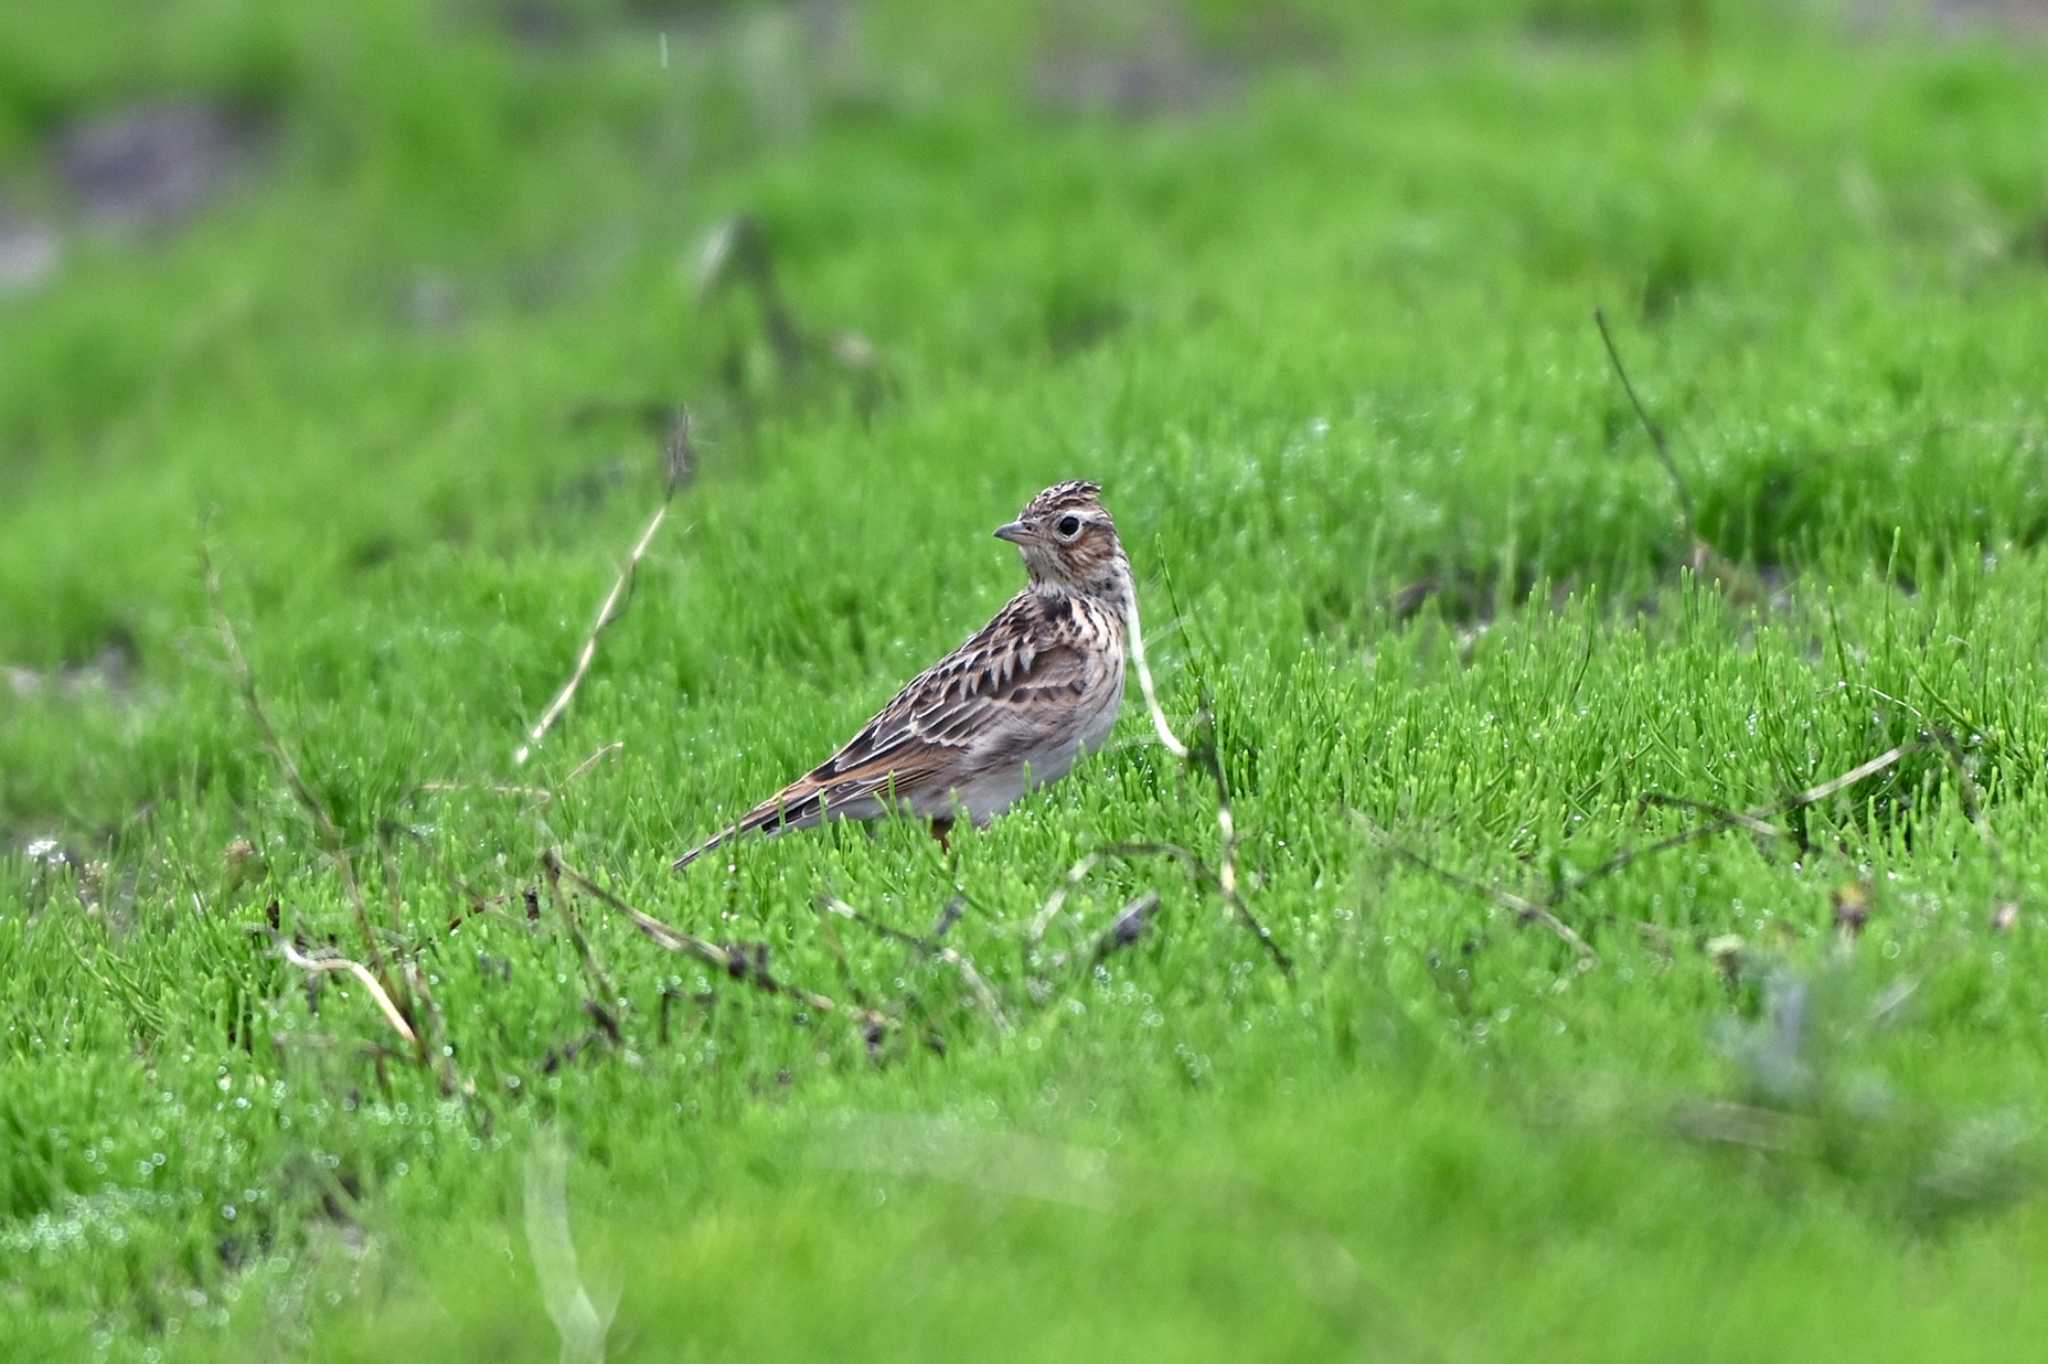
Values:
[(361, 972)]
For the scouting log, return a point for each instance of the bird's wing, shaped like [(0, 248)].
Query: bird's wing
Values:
[(990, 701)]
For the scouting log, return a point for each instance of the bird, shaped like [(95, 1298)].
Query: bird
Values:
[(1008, 711)]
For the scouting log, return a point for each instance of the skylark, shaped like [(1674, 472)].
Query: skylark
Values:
[(1007, 711)]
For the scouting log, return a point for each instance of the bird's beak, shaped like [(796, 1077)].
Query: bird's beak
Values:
[(1014, 532)]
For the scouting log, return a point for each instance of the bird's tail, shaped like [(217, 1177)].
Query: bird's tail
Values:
[(795, 808), (710, 844)]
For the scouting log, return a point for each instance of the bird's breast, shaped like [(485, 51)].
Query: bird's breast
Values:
[(1102, 719)]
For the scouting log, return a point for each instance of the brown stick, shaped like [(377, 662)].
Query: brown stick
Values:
[(738, 249), (394, 882), (452, 1083), (615, 601), (1527, 911), (689, 945), (1722, 820), (588, 955), (1736, 818), (1080, 871), (948, 916), (1226, 880), (477, 902), (1973, 805), (1732, 819), (986, 997), (593, 760), (316, 809), (1656, 433)]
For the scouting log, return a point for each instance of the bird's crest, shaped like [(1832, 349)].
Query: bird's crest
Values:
[(1065, 496)]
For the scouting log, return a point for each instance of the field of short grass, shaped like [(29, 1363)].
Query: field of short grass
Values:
[(1658, 863)]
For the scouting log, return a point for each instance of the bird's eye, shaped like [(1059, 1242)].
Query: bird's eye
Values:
[(1069, 526)]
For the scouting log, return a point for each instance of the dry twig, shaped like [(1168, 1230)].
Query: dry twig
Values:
[(616, 601), (322, 964), (1226, 870), (476, 902), (1735, 819), (1226, 879), (738, 252), (394, 881), (593, 760), (949, 914), (316, 810), (975, 982), (1527, 911), (738, 249), (540, 795), (1656, 433), (1720, 821), (1076, 874), (439, 1052), (738, 965), (584, 951), (1197, 870)]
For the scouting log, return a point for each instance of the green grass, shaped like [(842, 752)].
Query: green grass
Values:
[(1322, 339)]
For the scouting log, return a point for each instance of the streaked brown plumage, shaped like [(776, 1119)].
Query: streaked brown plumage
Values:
[(1009, 710)]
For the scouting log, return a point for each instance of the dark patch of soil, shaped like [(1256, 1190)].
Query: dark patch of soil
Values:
[(151, 167)]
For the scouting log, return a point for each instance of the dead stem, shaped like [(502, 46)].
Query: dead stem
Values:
[(1196, 869), (1736, 818), (584, 951), (540, 795), (1226, 874), (476, 902), (452, 1083), (1527, 911), (949, 915), (593, 760), (1167, 738), (737, 965), (617, 600), (738, 249), (1720, 821), (318, 965), (1732, 819), (1053, 902), (2006, 911), (316, 809), (1226, 854), (975, 982), (1656, 433), (394, 882)]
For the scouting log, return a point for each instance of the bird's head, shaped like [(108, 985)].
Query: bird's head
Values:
[(1068, 540)]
